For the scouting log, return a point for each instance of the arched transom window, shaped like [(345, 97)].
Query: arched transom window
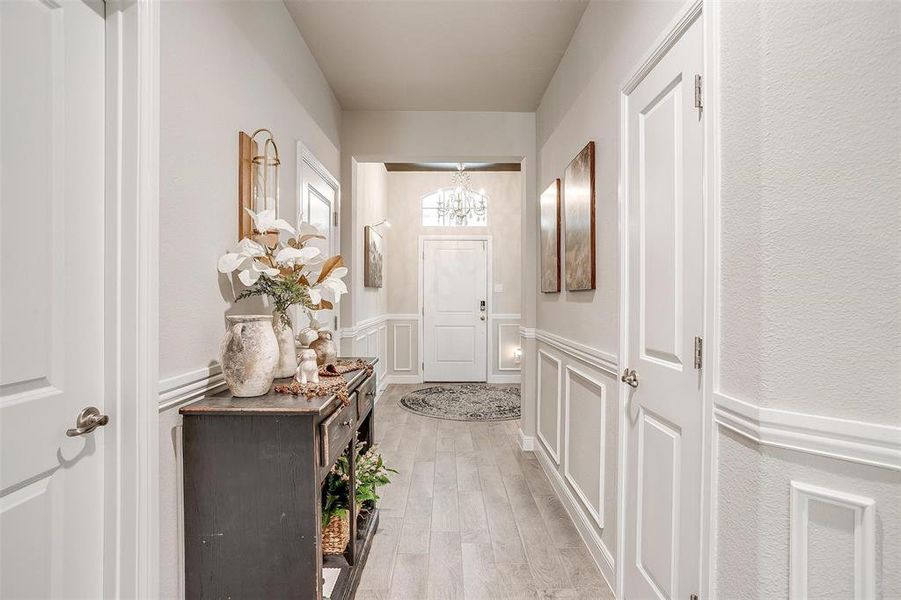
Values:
[(457, 205)]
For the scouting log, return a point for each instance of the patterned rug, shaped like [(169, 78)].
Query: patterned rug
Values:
[(465, 402)]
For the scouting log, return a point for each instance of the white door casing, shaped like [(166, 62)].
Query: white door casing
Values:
[(454, 275), (317, 204), (665, 290), (52, 155)]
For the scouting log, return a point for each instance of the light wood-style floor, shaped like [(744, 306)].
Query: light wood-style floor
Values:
[(469, 516)]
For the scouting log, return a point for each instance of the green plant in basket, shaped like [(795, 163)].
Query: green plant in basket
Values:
[(335, 492), (371, 472)]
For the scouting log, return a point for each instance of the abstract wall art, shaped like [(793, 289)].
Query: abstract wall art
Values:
[(579, 226)]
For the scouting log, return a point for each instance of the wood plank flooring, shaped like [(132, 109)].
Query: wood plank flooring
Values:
[(469, 517)]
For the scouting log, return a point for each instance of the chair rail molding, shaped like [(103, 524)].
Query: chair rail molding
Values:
[(367, 324), (854, 441), (595, 357), (191, 385)]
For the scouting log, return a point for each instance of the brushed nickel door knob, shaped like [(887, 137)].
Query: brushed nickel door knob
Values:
[(630, 377), (88, 420)]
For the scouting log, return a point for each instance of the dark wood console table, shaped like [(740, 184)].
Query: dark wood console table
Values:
[(253, 473)]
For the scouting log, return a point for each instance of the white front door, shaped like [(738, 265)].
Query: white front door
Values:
[(52, 64), (318, 200), (665, 313), (455, 310)]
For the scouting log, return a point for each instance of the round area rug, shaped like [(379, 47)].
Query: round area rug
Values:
[(466, 402)]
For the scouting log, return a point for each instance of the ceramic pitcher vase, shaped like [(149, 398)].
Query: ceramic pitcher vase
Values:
[(249, 355), (326, 350), (287, 359)]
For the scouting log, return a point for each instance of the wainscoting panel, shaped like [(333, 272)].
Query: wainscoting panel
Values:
[(503, 343), (402, 357), (550, 383), (584, 433), (584, 470), (833, 543)]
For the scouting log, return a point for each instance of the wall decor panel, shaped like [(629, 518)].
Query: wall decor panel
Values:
[(550, 380), (585, 429), (820, 518), (402, 359)]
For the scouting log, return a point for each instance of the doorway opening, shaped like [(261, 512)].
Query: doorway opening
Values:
[(432, 300)]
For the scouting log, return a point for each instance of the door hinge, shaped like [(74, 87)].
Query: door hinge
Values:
[(699, 352), (335, 218), (699, 104)]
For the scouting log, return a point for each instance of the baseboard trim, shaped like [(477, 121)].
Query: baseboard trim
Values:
[(403, 379), (583, 522), (854, 441), (526, 442), (504, 378)]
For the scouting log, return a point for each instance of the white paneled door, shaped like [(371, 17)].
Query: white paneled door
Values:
[(52, 55), (665, 313), (455, 310)]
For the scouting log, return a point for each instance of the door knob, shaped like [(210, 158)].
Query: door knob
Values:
[(630, 377), (88, 420), (482, 317)]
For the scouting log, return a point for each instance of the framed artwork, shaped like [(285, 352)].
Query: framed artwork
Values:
[(373, 259), (549, 237), (578, 213)]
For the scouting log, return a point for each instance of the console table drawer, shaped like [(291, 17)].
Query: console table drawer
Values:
[(365, 397), (335, 432)]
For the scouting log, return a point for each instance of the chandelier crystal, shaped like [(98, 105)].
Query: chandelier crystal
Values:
[(460, 201)]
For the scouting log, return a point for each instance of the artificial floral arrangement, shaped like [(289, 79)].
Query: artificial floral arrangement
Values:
[(289, 272), (371, 472)]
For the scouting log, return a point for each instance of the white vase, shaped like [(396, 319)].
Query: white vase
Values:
[(249, 355), (287, 360)]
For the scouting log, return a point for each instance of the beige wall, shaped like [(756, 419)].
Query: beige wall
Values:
[(224, 67), (417, 136), (371, 195), (441, 136), (405, 191)]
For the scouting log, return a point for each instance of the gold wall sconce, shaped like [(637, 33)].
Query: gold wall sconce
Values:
[(257, 182)]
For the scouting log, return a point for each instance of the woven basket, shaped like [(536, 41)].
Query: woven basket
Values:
[(336, 535)]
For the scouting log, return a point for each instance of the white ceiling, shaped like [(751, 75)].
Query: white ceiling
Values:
[(438, 54)]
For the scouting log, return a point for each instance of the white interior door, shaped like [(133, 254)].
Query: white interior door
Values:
[(319, 205), (665, 311), (455, 310), (51, 297)]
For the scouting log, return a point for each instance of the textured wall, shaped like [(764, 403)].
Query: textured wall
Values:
[(811, 275), (811, 261), (754, 521), (405, 191), (224, 67)]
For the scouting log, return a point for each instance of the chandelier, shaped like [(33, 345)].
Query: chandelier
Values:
[(460, 201)]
